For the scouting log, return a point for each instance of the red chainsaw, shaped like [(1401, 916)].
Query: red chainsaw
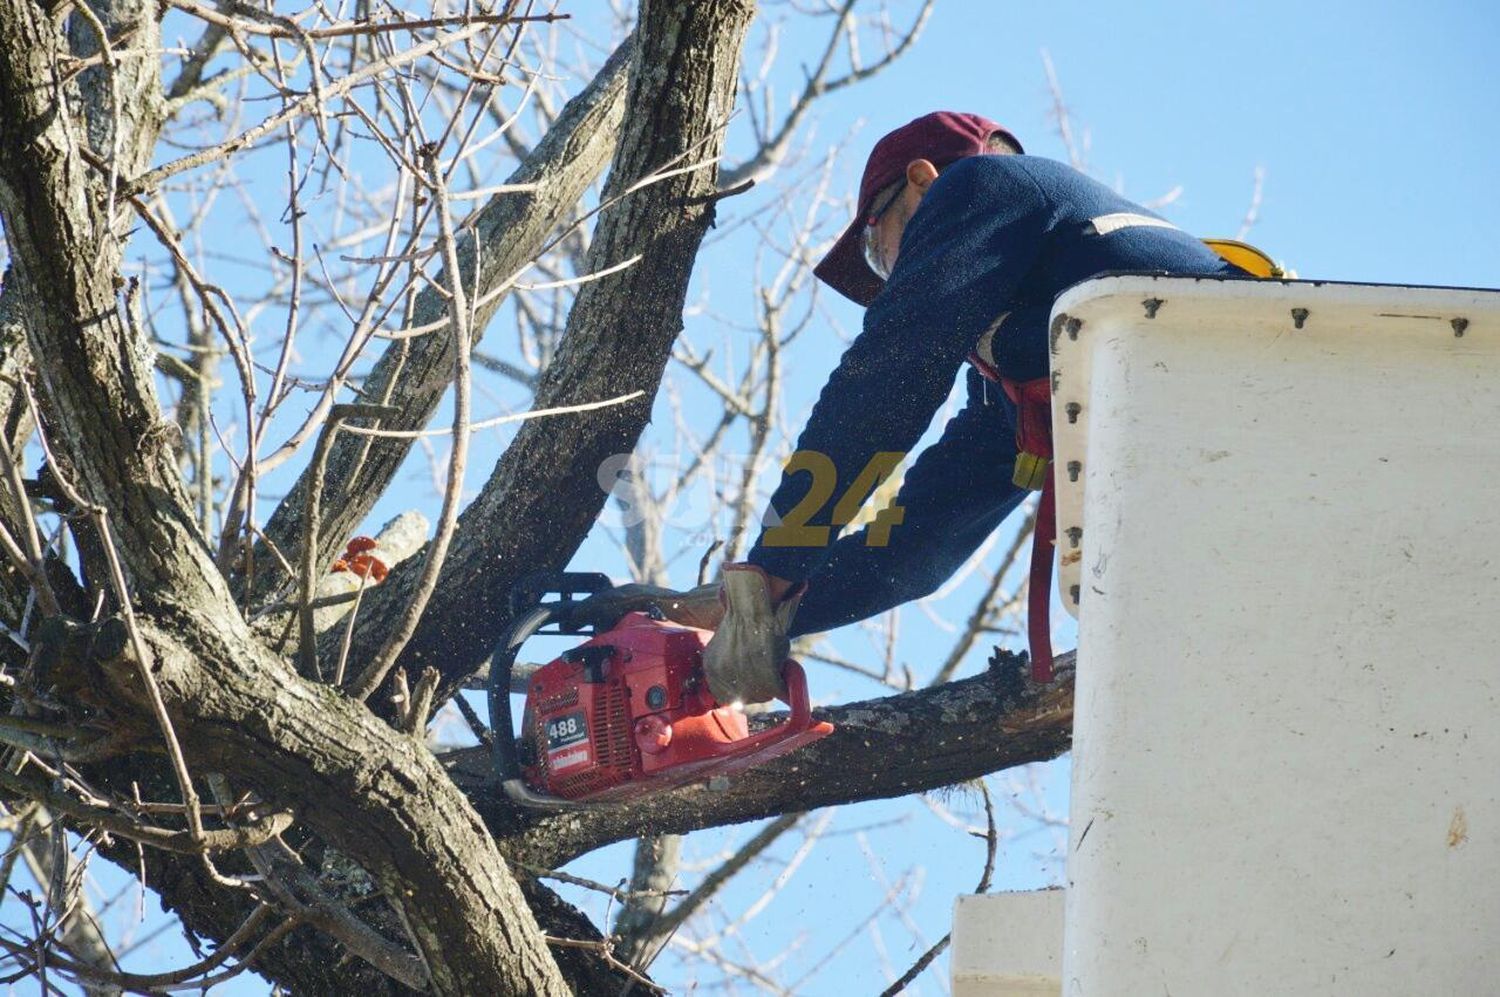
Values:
[(625, 714)]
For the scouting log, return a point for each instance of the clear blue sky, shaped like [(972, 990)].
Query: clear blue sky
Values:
[(1375, 123)]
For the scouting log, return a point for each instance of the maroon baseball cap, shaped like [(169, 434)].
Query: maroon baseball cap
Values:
[(940, 138)]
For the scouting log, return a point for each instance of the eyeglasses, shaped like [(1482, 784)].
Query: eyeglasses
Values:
[(873, 255)]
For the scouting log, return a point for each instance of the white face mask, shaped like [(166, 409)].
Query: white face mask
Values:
[(873, 256)]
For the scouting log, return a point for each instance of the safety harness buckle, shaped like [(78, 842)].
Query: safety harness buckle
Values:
[(1030, 472)]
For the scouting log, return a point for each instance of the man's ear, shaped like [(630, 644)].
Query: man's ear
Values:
[(920, 173)]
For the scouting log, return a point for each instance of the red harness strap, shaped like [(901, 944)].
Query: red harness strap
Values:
[(1034, 470), (1039, 592)]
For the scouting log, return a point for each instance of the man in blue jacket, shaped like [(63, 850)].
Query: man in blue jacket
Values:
[(958, 249)]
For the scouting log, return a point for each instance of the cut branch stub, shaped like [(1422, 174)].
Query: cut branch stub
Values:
[(79, 662)]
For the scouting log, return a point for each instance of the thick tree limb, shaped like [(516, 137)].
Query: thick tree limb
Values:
[(880, 748), (15, 428), (121, 106)]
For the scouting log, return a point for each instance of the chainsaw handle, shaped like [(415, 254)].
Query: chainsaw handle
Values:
[(796, 696), (527, 595), (798, 722)]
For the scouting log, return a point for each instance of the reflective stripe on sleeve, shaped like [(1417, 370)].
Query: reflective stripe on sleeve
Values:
[(1105, 224), (985, 348)]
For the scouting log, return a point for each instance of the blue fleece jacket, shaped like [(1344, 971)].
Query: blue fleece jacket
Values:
[(994, 236)]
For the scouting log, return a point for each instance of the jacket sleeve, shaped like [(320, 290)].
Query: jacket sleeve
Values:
[(963, 255), (953, 497)]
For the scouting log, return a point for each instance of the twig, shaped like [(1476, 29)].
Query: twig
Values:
[(437, 551), (976, 622), (480, 731), (602, 948), (148, 982), (96, 749), (202, 51), (307, 651), (417, 434), (239, 350), (31, 562), (703, 561), (191, 842), (673, 919), (1252, 213), (1060, 114), (992, 839), (613, 892), (419, 703), (347, 28), (348, 638), (321, 602), (666, 171), (21, 825), (152, 179), (773, 148), (29, 569)]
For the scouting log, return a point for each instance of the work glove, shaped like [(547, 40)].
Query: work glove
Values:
[(743, 660), (699, 607)]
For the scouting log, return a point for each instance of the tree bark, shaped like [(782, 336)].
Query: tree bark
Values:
[(375, 794)]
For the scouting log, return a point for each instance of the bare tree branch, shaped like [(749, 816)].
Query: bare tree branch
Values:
[(550, 472), (773, 145), (413, 375)]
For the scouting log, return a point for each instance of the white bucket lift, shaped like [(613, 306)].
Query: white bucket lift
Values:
[(1279, 526)]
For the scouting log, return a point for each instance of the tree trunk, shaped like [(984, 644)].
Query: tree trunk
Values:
[(375, 794)]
